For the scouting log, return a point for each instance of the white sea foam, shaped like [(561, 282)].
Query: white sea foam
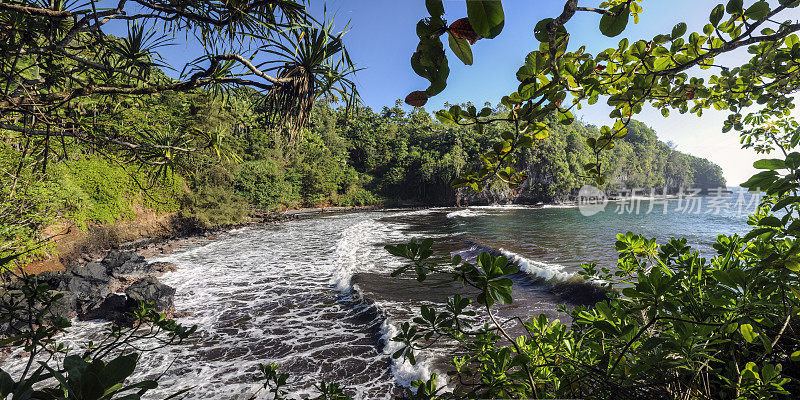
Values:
[(351, 252), (265, 295), (281, 294), (465, 213), (475, 211), (502, 207), (560, 206), (404, 373), (537, 268)]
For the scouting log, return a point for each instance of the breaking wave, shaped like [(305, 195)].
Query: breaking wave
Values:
[(537, 269)]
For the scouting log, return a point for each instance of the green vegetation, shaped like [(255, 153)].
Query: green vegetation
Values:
[(343, 159), (675, 324), (92, 129)]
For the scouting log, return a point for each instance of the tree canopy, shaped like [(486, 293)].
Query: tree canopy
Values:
[(63, 76), (660, 71)]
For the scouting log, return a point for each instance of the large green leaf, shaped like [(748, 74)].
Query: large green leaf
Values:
[(716, 14), (758, 10), (461, 48), (435, 7), (678, 30), (769, 163), (486, 17), (747, 332), (612, 25), (734, 6)]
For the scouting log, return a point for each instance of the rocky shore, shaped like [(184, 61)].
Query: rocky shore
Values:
[(107, 284), (109, 289)]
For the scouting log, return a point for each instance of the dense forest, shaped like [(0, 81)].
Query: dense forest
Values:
[(347, 158)]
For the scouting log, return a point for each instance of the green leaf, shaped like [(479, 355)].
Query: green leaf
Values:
[(795, 292), (716, 14), (461, 48), (435, 7), (769, 163), (761, 180), (795, 356), (613, 25), (758, 10), (606, 327), (793, 160), (399, 251), (6, 384), (770, 221), (444, 117), (540, 31), (119, 369), (486, 17), (747, 332), (734, 6), (756, 232), (678, 30)]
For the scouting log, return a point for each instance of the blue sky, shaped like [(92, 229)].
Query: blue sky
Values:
[(382, 38)]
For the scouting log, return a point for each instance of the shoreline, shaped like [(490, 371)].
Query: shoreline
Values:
[(149, 245)]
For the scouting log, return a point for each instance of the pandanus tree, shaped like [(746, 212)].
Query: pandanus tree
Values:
[(64, 74), (314, 62), (70, 69)]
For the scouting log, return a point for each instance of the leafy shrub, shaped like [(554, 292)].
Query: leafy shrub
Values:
[(263, 183), (674, 325), (93, 189), (212, 202), (357, 197)]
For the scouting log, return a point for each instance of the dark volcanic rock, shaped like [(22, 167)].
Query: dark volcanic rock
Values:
[(163, 267), (91, 291), (91, 271), (126, 266), (115, 307), (130, 267), (90, 284), (117, 258), (65, 307), (87, 288), (150, 290), (56, 280)]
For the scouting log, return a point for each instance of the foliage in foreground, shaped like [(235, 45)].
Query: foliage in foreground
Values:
[(676, 325), (32, 320)]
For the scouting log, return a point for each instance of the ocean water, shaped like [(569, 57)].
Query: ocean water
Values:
[(315, 295)]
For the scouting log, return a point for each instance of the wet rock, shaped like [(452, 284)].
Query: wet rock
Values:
[(91, 271), (116, 259), (87, 288), (91, 291), (55, 280), (163, 267), (150, 290), (65, 306), (115, 307), (126, 266)]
